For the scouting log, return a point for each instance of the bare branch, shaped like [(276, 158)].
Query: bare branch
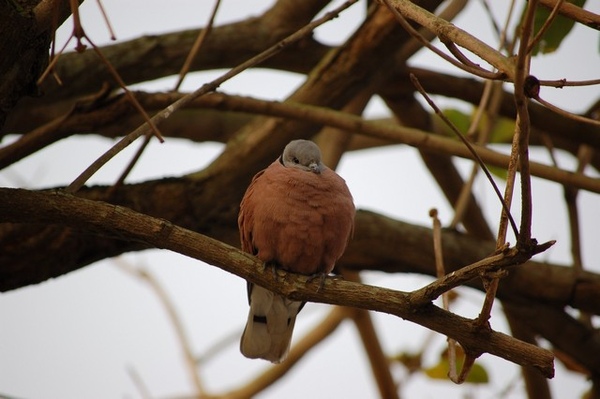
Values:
[(446, 30), (575, 13), (327, 327), (174, 319), (197, 45), (462, 63), (110, 219), (470, 147), (206, 88), (538, 37)]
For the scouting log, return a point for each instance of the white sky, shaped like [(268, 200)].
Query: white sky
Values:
[(76, 336)]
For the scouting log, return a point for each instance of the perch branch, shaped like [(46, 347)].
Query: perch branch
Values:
[(103, 218)]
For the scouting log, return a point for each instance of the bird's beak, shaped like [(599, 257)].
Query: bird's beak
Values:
[(315, 168)]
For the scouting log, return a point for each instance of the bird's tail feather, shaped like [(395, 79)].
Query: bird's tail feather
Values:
[(270, 324)]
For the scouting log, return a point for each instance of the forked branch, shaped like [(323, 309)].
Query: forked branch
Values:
[(57, 207)]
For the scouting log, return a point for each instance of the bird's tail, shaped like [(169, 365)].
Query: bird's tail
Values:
[(270, 324)]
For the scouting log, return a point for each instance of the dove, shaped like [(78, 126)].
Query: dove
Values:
[(296, 215)]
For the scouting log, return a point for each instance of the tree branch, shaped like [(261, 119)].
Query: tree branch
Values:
[(58, 207), (575, 13)]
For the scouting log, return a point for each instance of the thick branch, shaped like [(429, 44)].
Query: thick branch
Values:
[(155, 56), (447, 31), (34, 253), (56, 207)]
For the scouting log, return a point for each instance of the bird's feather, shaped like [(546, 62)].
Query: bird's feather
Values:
[(296, 214)]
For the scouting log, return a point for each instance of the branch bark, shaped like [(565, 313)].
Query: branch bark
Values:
[(79, 213)]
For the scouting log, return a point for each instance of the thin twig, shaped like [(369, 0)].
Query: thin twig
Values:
[(575, 13), (544, 28), (468, 145), (560, 83), (466, 368), (35, 139), (452, 280), (490, 15), (570, 194), (79, 33), (440, 272), (523, 125), (462, 203), (53, 61), (153, 128), (462, 63), (438, 252), (107, 21), (512, 165), (584, 157), (139, 383), (206, 88), (372, 345), (130, 165), (490, 283), (331, 322), (454, 34), (560, 111), (197, 46), (175, 320)]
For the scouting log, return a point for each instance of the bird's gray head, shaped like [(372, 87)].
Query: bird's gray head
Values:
[(304, 155)]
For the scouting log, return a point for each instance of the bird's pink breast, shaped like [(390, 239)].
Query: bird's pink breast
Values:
[(299, 220)]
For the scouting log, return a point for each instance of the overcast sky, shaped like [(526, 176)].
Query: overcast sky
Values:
[(78, 335)]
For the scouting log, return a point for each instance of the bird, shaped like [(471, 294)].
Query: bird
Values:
[(296, 215)]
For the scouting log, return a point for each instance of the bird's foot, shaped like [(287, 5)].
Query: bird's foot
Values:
[(273, 266), (321, 276)]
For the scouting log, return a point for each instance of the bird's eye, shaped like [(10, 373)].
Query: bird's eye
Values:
[(295, 160)]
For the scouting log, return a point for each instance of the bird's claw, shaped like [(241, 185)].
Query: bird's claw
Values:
[(273, 267), (321, 276)]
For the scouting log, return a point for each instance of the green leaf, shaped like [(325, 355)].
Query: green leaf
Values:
[(503, 131), (497, 171), (477, 375), (558, 30), (458, 119), (412, 361)]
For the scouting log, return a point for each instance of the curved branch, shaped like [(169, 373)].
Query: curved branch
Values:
[(386, 131), (227, 46), (449, 32), (57, 207), (204, 89)]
